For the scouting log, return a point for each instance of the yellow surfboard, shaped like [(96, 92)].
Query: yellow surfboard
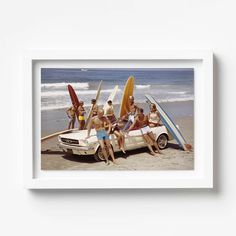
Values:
[(128, 91)]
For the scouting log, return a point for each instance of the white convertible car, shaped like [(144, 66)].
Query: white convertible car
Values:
[(76, 142)]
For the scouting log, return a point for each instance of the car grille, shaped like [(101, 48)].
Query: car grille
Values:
[(70, 141)]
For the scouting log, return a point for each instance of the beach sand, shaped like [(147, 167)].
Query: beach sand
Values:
[(173, 158)]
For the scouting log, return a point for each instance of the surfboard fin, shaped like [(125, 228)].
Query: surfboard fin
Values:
[(188, 147)]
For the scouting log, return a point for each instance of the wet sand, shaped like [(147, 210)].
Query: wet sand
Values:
[(173, 158)]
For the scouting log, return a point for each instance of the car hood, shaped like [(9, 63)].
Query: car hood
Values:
[(80, 135)]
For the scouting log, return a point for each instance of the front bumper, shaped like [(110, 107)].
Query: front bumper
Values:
[(77, 150)]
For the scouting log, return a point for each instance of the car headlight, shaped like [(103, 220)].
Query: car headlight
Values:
[(86, 141)]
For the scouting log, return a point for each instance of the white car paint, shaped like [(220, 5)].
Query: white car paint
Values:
[(133, 140)]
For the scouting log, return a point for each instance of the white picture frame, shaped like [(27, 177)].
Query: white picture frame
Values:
[(200, 177)]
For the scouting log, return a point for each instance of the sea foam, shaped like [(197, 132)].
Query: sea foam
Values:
[(57, 93), (64, 85), (142, 86)]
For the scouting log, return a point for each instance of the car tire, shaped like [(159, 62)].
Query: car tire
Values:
[(162, 141), (98, 156)]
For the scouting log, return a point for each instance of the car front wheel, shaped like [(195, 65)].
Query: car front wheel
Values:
[(98, 156), (162, 141)]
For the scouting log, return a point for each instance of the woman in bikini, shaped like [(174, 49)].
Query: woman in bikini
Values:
[(141, 122), (154, 117)]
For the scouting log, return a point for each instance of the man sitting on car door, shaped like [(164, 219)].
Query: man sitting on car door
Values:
[(99, 122), (141, 122)]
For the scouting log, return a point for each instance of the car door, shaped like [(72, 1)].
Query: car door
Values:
[(134, 140)]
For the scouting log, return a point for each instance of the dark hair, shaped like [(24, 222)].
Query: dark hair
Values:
[(93, 100), (153, 106), (109, 101), (141, 110)]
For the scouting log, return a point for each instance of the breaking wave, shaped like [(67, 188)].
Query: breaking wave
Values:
[(78, 92), (178, 93), (64, 85), (142, 86)]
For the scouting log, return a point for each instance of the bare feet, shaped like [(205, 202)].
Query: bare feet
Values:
[(123, 150), (107, 163), (153, 153), (115, 162), (158, 151)]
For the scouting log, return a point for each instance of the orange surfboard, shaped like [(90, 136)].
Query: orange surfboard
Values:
[(128, 91)]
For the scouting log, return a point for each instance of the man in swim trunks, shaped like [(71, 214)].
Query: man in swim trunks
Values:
[(141, 121), (99, 122), (71, 113), (81, 113), (132, 109), (110, 114), (94, 107)]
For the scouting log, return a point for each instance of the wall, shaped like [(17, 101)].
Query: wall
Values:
[(117, 24)]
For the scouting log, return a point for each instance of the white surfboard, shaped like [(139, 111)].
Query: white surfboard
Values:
[(111, 97), (170, 125), (96, 98)]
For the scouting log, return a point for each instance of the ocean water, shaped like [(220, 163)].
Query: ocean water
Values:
[(166, 85)]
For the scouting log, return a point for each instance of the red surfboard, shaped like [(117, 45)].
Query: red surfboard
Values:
[(73, 96), (75, 102)]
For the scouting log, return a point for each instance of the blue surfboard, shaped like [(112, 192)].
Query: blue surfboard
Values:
[(169, 124)]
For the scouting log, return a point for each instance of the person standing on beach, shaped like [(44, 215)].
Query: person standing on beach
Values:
[(94, 107), (110, 114), (132, 109), (141, 121), (99, 122), (81, 113), (71, 113), (154, 117)]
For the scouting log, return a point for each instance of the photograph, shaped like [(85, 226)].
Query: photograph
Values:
[(117, 119)]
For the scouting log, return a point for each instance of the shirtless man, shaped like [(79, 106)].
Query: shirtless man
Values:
[(71, 113), (141, 121), (99, 122), (132, 109), (110, 114), (94, 107), (81, 113)]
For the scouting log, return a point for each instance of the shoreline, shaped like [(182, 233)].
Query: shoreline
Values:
[(56, 120), (118, 104)]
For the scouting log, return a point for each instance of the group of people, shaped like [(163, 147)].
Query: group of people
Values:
[(79, 112), (106, 123)]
